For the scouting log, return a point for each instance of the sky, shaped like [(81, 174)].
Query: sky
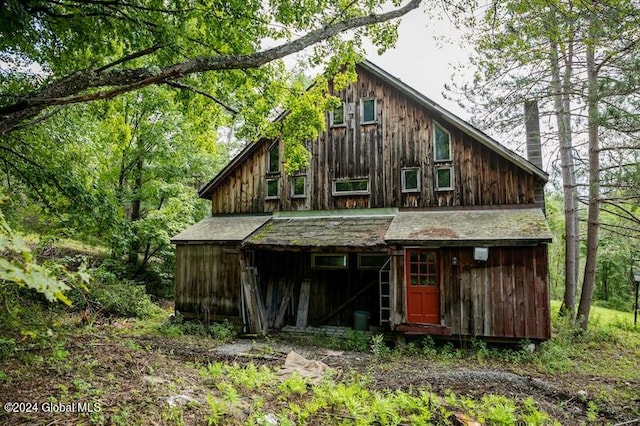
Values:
[(424, 63)]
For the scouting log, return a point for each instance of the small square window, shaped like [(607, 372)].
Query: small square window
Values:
[(367, 111), (442, 145), (298, 187), (350, 186), (272, 188), (444, 178), (411, 179), (336, 116)]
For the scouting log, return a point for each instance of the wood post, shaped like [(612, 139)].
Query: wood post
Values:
[(303, 303), (256, 315)]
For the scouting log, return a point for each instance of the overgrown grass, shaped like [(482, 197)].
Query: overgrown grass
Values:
[(294, 400)]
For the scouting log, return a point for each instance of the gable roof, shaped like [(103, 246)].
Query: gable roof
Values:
[(436, 109)]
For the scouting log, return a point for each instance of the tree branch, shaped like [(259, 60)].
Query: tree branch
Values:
[(73, 89), (205, 94)]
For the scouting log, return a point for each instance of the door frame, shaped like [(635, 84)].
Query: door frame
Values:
[(405, 279)]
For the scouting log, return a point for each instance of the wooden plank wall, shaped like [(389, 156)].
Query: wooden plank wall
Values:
[(402, 137), (207, 280), (507, 296)]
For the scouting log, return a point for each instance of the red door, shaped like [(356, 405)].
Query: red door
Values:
[(423, 286)]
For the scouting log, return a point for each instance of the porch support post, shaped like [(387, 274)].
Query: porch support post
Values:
[(256, 315)]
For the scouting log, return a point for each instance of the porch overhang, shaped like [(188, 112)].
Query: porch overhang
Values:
[(486, 227), (307, 233), (221, 229)]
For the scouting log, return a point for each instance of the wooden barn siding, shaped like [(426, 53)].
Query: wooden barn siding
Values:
[(508, 297), (329, 288), (207, 280), (402, 137)]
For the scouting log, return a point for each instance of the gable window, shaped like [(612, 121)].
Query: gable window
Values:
[(273, 159), (411, 179), (442, 145), (329, 261), (298, 186), (368, 110), (272, 189), (336, 117), (444, 178), (350, 186)]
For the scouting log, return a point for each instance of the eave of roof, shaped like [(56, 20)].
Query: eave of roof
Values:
[(221, 229), (323, 232), (470, 226), (371, 228)]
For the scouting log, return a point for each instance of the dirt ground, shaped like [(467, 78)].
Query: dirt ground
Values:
[(128, 375)]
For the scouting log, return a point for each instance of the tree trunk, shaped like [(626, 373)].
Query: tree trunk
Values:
[(572, 237), (589, 279), (135, 245)]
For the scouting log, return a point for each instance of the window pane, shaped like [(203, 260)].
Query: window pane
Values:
[(431, 270), (330, 261), (443, 152), (274, 159), (338, 116), (368, 110), (443, 178), (299, 186), (410, 179), (272, 188), (372, 261), (354, 185)]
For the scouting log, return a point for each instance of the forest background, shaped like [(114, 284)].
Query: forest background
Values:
[(113, 114)]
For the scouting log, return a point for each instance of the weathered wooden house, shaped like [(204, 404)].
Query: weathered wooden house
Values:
[(406, 212)]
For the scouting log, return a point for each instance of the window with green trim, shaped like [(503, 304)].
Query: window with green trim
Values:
[(368, 110)]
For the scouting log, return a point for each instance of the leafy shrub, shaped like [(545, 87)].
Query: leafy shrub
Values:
[(379, 347), (124, 299), (356, 341), (223, 331)]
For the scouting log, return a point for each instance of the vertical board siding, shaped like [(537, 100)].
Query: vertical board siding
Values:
[(207, 280), (505, 297), (401, 137)]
